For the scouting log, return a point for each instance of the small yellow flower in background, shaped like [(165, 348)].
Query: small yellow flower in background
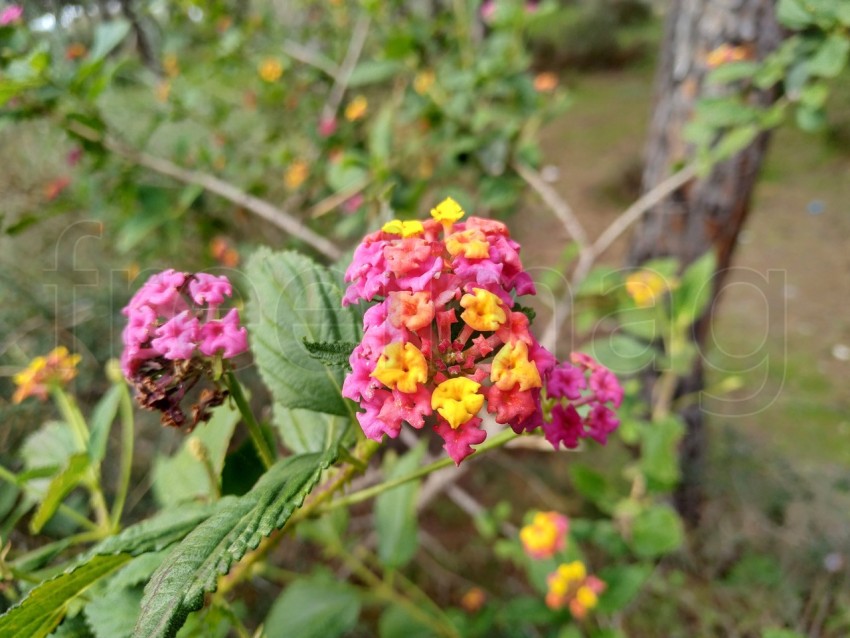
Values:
[(405, 229), (645, 286), (511, 366), (545, 535), (473, 600), (356, 109), (423, 82), (170, 65), (296, 174), (545, 82), (401, 367), (163, 90), (57, 368), (483, 310), (270, 69), (726, 53), (457, 400)]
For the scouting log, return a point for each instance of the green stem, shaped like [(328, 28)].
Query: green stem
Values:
[(257, 438), (125, 409), (73, 417), (382, 589), (370, 492)]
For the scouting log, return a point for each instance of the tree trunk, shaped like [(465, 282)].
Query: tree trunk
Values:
[(707, 213)]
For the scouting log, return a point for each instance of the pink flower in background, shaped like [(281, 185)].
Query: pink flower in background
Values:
[(545, 536), (353, 203), (327, 126), (10, 14)]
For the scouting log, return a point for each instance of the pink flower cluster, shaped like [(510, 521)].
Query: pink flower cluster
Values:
[(446, 334), (174, 315), (576, 396)]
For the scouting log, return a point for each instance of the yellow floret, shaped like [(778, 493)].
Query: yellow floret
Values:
[(483, 310), (401, 367), (511, 366), (405, 229), (457, 400)]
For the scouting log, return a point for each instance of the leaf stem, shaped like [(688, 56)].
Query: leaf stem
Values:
[(125, 407), (257, 438)]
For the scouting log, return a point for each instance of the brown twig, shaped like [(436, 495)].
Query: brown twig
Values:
[(213, 184)]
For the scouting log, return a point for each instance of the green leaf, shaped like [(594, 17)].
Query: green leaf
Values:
[(656, 531), (183, 476), (307, 431), (831, 56), (781, 633), (380, 135), (659, 458), (296, 299), (155, 533), (793, 14), (734, 141), (107, 36), (621, 353), (695, 291), (593, 486), (333, 354), (397, 622), (395, 510), (101, 421), (623, 584), (345, 172), (39, 613), (59, 488), (374, 71), (52, 445), (236, 526), (113, 613), (318, 606), (733, 72), (810, 119)]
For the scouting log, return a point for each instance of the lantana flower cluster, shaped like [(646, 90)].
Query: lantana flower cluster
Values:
[(445, 336), (569, 586), (176, 335)]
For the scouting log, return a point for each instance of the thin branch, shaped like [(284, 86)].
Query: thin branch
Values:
[(313, 58), (643, 204), (563, 211), (355, 48), (213, 184), (331, 202), (622, 223)]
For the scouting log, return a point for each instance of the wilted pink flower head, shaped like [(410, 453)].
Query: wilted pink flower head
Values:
[(175, 336), (11, 14), (446, 333)]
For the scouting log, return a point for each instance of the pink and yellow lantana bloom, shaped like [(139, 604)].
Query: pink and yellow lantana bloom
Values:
[(444, 337)]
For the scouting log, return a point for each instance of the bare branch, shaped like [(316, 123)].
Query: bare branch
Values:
[(313, 58), (563, 211), (586, 259), (355, 48), (213, 184), (643, 204)]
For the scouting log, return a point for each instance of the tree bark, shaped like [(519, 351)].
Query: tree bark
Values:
[(707, 213)]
